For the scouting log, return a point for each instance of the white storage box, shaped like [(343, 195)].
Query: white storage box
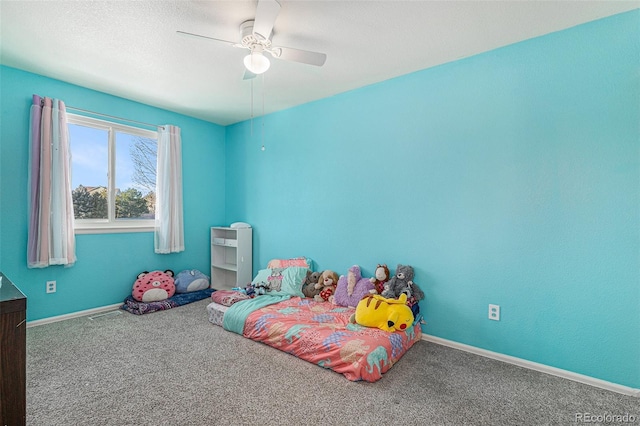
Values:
[(231, 242)]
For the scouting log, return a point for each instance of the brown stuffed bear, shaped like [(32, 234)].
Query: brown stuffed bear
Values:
[(309, 284), (327, 286)]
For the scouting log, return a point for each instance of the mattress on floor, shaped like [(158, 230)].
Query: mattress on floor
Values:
[(321, 333), (216, 313)]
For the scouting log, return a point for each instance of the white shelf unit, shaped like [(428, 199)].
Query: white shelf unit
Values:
[(231, 257)]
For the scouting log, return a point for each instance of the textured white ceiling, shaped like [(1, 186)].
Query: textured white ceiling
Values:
[(131, 48)]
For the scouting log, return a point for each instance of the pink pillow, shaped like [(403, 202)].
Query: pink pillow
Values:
[(153, 286), (303, 262), (228, 297)]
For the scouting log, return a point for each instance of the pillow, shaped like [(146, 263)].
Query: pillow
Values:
[(304, 262), (228, 297), (280, 281), (191, 280)]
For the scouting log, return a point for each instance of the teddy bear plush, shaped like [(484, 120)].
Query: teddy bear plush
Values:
[(393, 287), (402, 283), (191, 280), (352, 288), (309, 284), (153, 286), (327, 285), (381, 276)]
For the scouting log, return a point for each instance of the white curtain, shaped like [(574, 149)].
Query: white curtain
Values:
[(169, 233), (51, 239)]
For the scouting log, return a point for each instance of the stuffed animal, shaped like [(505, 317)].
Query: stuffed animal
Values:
[(250, 290), (385, 314), (260, 288), (309, 284), (393, 287), (381, 276), (402, 283), (154, 286), (191, 280), (327, 285), (352, 288)]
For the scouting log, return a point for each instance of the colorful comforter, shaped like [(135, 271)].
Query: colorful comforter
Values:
[(320, 332)]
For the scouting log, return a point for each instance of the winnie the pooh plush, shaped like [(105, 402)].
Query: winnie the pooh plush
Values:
[(327, 286)]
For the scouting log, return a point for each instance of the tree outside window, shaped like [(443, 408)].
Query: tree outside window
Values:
[(113, 173)]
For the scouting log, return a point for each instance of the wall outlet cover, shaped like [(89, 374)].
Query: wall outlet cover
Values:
[(494, 312)]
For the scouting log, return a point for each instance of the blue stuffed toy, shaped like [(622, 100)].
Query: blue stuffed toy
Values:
[(191, 280)]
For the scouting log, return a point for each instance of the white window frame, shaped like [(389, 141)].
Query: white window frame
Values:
[(111, 225)]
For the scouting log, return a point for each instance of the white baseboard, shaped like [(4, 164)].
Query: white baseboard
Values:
[(587, 380), (73, 315)]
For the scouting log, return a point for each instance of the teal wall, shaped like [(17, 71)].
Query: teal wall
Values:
[(107, 264), (510, 177)]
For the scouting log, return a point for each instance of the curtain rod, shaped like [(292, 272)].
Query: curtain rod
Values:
[(114, 117)]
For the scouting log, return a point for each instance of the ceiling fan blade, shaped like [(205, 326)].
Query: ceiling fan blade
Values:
[(266, 15), (298, 55), (208, 38)]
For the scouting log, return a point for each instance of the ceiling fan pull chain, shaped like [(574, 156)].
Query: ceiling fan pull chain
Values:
[(263, 112), (251, 125)]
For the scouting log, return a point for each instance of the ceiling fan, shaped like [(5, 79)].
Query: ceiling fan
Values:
[(255, 35)]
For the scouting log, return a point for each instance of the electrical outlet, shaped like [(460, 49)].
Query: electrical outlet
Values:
[(51, 286), (494, 312)]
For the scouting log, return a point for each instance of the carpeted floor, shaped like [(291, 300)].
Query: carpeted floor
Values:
[(175, 368)]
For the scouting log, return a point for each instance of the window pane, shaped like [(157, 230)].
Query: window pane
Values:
[(89, 158), (113, 173), (135, 176)]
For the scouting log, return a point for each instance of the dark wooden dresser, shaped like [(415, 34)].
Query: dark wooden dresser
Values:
[(13, 354)]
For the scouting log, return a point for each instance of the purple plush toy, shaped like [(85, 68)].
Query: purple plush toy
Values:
[(352, 288)]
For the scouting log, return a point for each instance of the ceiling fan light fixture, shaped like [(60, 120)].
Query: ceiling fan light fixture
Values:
[(256, 62)]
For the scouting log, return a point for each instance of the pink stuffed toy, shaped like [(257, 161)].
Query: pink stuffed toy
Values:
[(154, 286)]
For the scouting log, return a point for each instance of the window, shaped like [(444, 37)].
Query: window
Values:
[(113, 176)]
